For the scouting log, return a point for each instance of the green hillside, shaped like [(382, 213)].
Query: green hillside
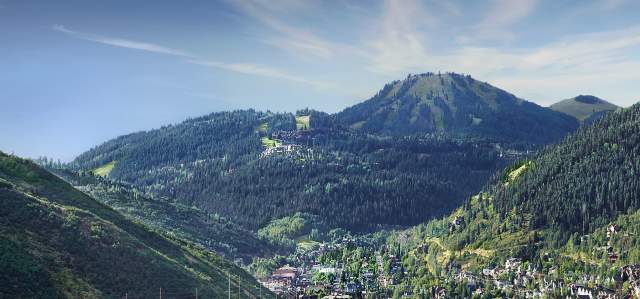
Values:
[(58, 242), (253, 167), (553, 212), (584, 108), (457, 105), (209, 230)]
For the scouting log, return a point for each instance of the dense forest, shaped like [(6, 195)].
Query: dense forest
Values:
[(57, 242), (585, 181), (209, 230), (350, 179), (568, 213)]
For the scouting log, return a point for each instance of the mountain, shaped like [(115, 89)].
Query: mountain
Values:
[(57, 242), (458, 105), (211, 231), (584, 108), (253, 167), (567, 218), (442, 138)]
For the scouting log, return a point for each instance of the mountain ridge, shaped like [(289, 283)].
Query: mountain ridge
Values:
[(455, 104), (313, 162)]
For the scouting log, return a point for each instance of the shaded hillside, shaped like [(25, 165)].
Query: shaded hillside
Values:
[(584, 108), (209, 230), (457, 105), (253, 167), (58, 242)]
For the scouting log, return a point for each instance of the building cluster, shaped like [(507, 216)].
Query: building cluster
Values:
[(381, 272), (306, 276), (282, 149)]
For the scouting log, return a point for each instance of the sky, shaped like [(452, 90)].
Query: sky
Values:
[(78, 73)]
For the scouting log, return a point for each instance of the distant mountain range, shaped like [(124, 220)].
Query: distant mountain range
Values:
[(584, 108)]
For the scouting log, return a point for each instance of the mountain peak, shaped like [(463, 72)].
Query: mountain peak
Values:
[(589, 99), (584, 108), (454, 104)]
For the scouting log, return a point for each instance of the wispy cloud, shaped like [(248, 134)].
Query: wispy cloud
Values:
[(243, 68), (499, 18), (293, 39), (612, 4), (123, 43), (259, 70), (399, 43), (569, 64)]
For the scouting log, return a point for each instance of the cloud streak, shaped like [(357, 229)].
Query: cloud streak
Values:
[(123, 43), (292, 39), (258, 70), (501, 16), (242, 68)]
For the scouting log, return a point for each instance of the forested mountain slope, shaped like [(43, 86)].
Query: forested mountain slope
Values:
[(209, 230), (586, 180), (570, 214), (584, 108), (254, 167), (458, 105), (55, 242), (411, 153)]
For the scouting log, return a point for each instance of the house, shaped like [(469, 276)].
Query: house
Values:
[(604, 293), (352, 288), (327, 270), (502, 284), (630, 273), (512, 263), (286, 275), (438, 292), (580, 291), (636, 288), (612, 230), (275, 286), (478, 292), (368, 275), (457, 222)]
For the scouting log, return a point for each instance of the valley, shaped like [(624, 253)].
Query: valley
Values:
[(261, 149), (401, 204)]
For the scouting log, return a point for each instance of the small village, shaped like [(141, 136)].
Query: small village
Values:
[(381, 274), (307, 277)]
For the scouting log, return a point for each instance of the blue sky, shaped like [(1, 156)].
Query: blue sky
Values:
[(77, 73)]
